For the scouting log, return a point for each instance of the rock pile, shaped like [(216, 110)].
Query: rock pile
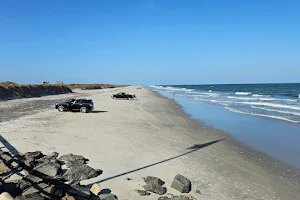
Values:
[(36, 176), (155, 185)]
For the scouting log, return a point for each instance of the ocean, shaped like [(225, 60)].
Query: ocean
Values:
[(264, 116), (280, 101)]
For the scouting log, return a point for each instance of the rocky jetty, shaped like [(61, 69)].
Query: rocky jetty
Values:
[(36, 176)]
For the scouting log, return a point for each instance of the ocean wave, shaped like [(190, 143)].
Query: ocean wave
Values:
[(279, 111), (169, 88), (262, 115), (276, 105), (258, 95), (243, 93), (225, 103), (251, 98)]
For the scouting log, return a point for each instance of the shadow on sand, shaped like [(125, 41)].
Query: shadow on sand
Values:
[(98, 111), (192, 149)]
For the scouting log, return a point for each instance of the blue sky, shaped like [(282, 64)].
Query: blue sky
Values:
[(150, 41)]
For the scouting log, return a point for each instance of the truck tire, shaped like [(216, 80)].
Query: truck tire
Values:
[(83, 110), (61, 109)]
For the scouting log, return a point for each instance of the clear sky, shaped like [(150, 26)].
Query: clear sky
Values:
[(150, 41)]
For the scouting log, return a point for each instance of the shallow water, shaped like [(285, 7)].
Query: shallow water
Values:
[(275, 137)]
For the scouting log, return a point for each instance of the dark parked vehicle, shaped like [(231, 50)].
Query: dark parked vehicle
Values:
[(82, 105), (123, 95)]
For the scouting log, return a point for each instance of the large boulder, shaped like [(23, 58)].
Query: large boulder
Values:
[(182, 184), (155, 188), (50, 158), (48, 169), (81, 172), (79, 190), (152, 179), (72, 159)]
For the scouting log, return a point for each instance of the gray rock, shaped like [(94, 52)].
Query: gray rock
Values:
[(34, 196), (182, 184), (108, 197), (154, 187), (152, 179), (33, 155), (81, 172), (50, 158), (74, 162), (142, 192), (4, 168), (33, 178), (71, 159), (49, 169), (79, 190), (182, 197), (164, 198)]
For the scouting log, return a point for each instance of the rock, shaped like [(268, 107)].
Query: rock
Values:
[(95, 189), (182, 184), (48, 169), (81, 172), (35, 189), (155, 188), (164, 198), (34, 196), (142, 192), (50, 158), (182, 197), (71, 159), (6, 196), (4, 168), (32, 178), (79, 190), (108, 197), (152, 179), (33, 155), (68, 197)]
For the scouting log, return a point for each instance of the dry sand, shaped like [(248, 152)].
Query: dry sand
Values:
[(152, 136)]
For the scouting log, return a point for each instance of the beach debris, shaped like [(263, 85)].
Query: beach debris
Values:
[(181, 184), (95, 189), (81, 172), (128, 179), (154, 184), (142, 192)]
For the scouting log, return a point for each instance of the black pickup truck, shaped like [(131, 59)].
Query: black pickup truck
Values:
[(82, 105), (123, 95)]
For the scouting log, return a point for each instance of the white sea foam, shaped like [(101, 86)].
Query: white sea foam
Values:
[(209, 90), (243, 93), (262, 115), (276, 105), (258, 95), (279, 111), (251, 98), (298, 96)]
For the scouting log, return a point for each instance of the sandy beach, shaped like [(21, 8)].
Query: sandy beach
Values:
[(149, 136)]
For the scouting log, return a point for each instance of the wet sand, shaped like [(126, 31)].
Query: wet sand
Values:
[(153, 136)]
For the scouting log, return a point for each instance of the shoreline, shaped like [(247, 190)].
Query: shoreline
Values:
[(154, 136), (261, 158)]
